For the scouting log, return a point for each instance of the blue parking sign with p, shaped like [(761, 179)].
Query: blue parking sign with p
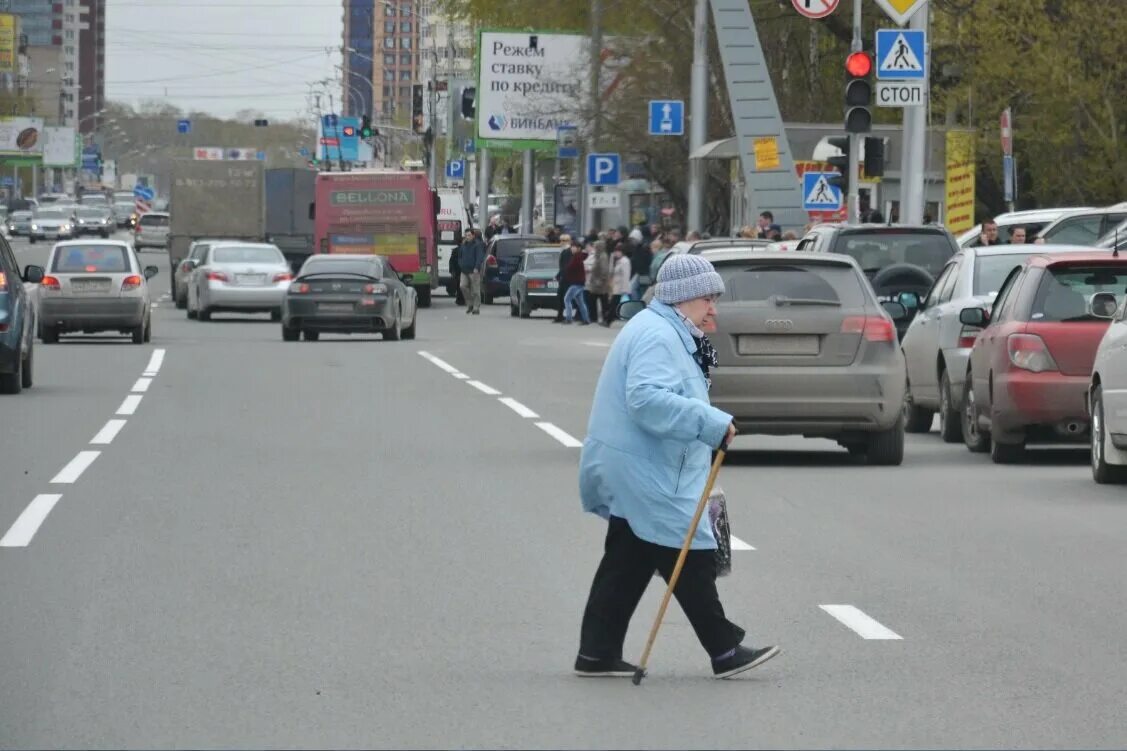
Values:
[(604, 169), (456, 169)]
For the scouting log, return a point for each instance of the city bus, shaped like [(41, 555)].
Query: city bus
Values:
[(388, 213)]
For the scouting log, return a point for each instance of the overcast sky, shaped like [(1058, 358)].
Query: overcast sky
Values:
[(222, 56)]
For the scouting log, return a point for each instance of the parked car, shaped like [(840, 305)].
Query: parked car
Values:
[(1107, 394), (534, 284), (1115, 239), (901, 261), (19, 223), (1031, 364), (1034, 221), (502, 256), (93, 221), (52, 223), (92, 286), (17, 322), (239, 277), (151, 230), (349, 294), (722, 243), (804, 348), (937, 345), (1084, 227)]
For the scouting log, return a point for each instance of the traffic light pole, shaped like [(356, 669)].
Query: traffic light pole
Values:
[(698, 116), (915, 137), (854, 200)]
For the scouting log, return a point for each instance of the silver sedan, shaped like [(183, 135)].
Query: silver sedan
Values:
[(239, 277)]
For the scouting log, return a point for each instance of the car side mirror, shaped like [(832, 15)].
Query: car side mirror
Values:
[(407, 279), (974, 317), (151, 271), (630, 308), (33, 274), (909, 300), (1103, 305), (897, 311)]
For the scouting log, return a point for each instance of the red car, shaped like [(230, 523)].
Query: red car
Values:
[(1028, 374)]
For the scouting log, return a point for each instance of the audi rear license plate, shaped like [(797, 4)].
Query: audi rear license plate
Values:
[(335, 307), (250, 278), (777, 344)]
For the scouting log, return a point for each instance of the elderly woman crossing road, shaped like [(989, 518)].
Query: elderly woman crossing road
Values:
[(644, 466)]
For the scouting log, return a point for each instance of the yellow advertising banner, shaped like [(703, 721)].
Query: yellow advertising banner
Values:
[(766, 153), (960, 181), (9, 42)]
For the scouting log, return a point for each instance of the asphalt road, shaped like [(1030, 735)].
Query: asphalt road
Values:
[(345, 544)]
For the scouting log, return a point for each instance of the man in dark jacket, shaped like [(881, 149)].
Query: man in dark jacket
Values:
[(561, 282), (471, 261), (455, 288)]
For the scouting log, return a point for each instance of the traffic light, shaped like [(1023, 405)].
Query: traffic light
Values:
[(841, 180), (858, 93), (365, 127), (469, 96), (261, 123), (418, 122), (874, 156)]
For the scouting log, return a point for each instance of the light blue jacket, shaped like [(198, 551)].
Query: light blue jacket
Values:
[(652, 431)]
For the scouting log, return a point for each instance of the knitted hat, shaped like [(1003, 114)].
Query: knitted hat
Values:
[(684, 277)]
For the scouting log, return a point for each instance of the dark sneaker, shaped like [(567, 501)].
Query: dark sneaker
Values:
[(608, 668), (743, 659)]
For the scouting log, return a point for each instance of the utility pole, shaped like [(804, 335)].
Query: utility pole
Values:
[(483, 168), (528, 193), (698, 117), (855, 140), (590, 216), (915, 138)]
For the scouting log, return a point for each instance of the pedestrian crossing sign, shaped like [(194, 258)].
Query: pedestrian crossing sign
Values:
[(901, 54), (818, 194)]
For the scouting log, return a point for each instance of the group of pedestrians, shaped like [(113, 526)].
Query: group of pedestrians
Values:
[(595, 275)]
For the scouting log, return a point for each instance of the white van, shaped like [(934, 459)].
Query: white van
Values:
[(453, 220)]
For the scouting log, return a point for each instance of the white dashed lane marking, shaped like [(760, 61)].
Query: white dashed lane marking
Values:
[(517, 407), (142, 385), (106, 435), (563, 437), (72, 471), (487, 390), (865, 626), (28, 523), (129, 406)]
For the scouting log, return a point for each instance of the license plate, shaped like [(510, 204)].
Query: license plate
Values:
[(777, 344), (335, 307), (553, 285), (89, 285), (250, 278)]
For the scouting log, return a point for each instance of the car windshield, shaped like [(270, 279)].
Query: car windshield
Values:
[(513, 248), (1066, 290), (246, 255), (830, 284), (93, 199), (543, 261), (79, 259), (91, 213), (21, 215), (124, 205), (154, 220), (51, 214), (877, 250), (991, 271), (365, 268)]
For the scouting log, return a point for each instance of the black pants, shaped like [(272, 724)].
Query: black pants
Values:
[(594, 301), (628, 565), (612, 308), (561, 291)]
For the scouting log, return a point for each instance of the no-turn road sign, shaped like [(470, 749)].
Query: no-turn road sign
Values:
[(815, 8)]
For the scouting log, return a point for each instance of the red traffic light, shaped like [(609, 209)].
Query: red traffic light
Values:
[(349, 131), (859, 64)]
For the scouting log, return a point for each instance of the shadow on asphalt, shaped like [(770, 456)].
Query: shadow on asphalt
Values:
[(760, 458)]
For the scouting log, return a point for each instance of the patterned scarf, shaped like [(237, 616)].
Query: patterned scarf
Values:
[(706, 357)]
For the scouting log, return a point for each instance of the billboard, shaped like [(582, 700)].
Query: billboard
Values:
[(213, 153), (340, 138), (528, 85), (960, 181), (60, 147), (21, 136), (9, 42)]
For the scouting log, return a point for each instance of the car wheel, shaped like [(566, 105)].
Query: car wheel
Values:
[(138, 334), (1102, 472), (514, 311), (392, 334), (275, 316), (204, 314), (31, 239), (424, 296), (27, 376), (12, 383), (950, 420), (916, 419), (525, 309), (886, 447), (290, 334), (312, 336), (48, 334), (976, 439), (180, 300), (149, 331), (1007, 453), (409, 332), (486, 299)]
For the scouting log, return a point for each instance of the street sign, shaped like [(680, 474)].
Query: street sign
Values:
[(818, 194), (260, 156), (184, 126), (567, 142), (603, 200), (815, 8), (1008, 177), (766, 150), (469, 146), (900, 93), (303, 151), (901, 54), (1007, 132), (603, 169), (901, 11), (330, 120), (144, 192), (667, 117), (455, 169)]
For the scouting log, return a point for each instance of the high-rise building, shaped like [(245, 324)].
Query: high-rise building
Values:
[(91, 62), (40, 20), (382, 41)]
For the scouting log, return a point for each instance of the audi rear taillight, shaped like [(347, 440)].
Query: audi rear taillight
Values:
[(873, 328), (1029, 352), (131, 282), (216, 276), (299, 288), (283, 277), (50, 283)]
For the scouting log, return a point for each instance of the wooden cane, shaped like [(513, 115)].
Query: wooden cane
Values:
[(640, 672)]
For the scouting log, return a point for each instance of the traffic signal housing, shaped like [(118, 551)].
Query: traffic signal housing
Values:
[(469, 101), (418, 121), (261, 123), (841, 180), (365, 127), (858, 93), (874, 156)]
